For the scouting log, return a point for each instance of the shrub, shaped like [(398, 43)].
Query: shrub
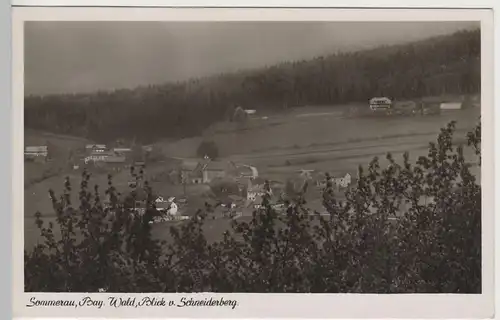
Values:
[(407, 228), (208, 148), (224, 186)]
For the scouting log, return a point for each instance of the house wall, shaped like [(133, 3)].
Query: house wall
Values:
[(209, 175), (451, 106)]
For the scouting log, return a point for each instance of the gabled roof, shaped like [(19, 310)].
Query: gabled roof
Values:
[(380, 99)]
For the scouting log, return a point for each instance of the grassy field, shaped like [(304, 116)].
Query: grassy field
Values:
[(318, 138), (306, 138)]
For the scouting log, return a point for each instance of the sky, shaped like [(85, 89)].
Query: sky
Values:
[(72, 57)]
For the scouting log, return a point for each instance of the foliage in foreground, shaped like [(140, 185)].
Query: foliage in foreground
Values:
[(361, 246)]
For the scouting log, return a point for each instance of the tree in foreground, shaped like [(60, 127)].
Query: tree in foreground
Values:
[(406, 228), (207, 148)]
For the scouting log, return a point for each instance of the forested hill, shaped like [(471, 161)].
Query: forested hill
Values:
[(440, 65)]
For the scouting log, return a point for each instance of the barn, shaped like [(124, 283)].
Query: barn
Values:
[(191, 171)]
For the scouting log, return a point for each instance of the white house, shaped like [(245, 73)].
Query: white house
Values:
[(213, 170), (173, 208), (380, 103), (342, 182), (36, 151)]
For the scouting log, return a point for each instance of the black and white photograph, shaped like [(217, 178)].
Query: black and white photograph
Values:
[(319, 157)]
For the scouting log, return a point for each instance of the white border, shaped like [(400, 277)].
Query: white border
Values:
[(270, 305), (264, 3)]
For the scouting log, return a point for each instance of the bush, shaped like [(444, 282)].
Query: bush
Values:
[(362, 246), (208, 148), (224, 186)]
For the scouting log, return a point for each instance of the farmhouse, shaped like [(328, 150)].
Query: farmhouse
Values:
[(215, 169), (255, 192), (103, 158), (205, 170), (192, 171), (256, 189), (380, 103)]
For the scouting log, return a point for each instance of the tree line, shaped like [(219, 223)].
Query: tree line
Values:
[(440, 65)]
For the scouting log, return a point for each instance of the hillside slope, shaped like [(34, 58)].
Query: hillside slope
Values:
[(440, 65)]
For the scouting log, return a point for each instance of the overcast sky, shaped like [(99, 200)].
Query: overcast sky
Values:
[(65, 57)]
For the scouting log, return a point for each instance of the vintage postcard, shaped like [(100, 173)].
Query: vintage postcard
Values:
[(253, 163)]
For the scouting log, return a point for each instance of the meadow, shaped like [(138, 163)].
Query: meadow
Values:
[(324, 140)]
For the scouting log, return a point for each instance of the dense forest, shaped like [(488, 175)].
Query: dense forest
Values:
[(440, 65)]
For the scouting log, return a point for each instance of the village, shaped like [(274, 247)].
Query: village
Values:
[(251, 157), (232, 189)]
